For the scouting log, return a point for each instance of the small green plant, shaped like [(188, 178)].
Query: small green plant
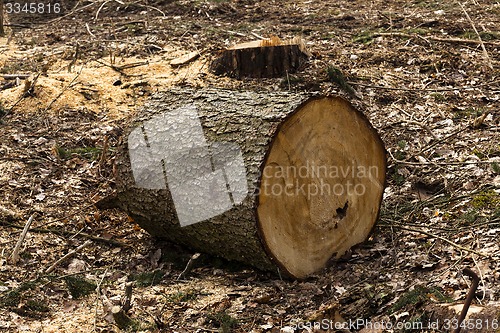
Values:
[(418, 296), (365, 37), (469, 217), (479, 153), (438, 97), (79, 287), (225, 321), (3, 111), (183, 296), (398, 178), (402, 144), (469, 112)]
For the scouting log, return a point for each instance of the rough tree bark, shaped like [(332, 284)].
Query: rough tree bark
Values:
[(262, 58), (315, 173), (2, 31)]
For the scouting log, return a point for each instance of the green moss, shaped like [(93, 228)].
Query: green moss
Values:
[(485, 35), (79, 287), (36, 306), (13, 297), (183, 296), (291, 80), (438, 97), (364, 37), (478, 153), (90, 153), (496, 168), (486, 199), (148, 278), (469, 112), (418, 296), (225, 321), (469, 217)]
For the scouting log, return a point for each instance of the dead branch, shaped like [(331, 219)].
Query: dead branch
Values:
[(122, 320), (485, 53), (437, 39), (189, 266), (68, 255), (65, 88), (66, 233), (127, 298), (455, 245), (15, 76), (17, 248)]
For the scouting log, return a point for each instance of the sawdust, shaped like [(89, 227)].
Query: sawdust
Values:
[(98, 85)]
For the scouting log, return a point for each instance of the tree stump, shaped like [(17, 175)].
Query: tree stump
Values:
[(269, 179), (262, 58)]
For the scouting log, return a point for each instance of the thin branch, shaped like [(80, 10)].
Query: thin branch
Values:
[(437, 39), (189, 266), (374, 86), (68, 255), (99, 9), (460, 247), (71, 12), (65, 88), (17, 248), (66, 234), (485, 53)]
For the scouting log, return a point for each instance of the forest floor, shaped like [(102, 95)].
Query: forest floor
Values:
[(429, 88)]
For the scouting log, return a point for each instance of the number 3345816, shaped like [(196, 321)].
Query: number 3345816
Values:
[(32, 8)]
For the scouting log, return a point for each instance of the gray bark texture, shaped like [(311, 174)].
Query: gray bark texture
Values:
[(248, 119)]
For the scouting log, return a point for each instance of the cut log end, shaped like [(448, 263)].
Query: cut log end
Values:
[(321, 186)]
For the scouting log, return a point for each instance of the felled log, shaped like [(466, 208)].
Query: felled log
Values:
[(261, 58), (270, 179)]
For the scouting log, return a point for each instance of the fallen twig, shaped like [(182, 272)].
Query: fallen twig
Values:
[(189, 266), (99, 9), (127, 298), (28, 89), (17, 248), (374, 86), (66, 233), (485, 53), (65, 88), (437, 39), (68, 255), (15, 76), (71, 12), (460, 247)]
